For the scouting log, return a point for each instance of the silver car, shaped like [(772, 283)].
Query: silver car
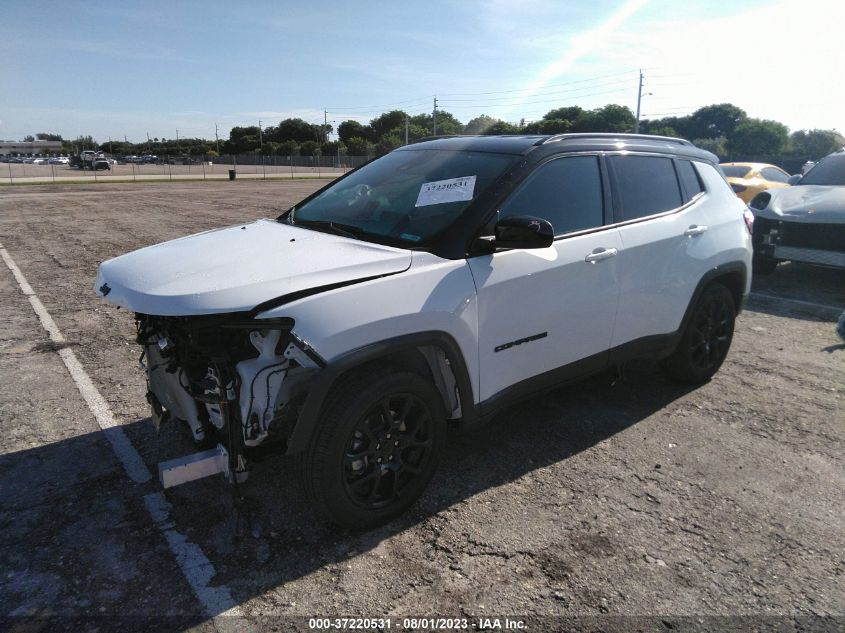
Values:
[(805, 222)]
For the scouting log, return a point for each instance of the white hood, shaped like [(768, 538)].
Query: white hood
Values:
[(237, 268)]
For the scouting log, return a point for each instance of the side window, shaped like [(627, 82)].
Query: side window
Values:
[(689, 178), (773, 175), (645, 185), (566, 192)]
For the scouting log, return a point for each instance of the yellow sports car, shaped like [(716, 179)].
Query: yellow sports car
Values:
[(749, 179)]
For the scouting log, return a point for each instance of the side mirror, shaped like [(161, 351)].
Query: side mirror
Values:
[(524, 231), (794, 179)]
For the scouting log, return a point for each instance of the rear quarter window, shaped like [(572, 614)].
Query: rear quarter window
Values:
[(645, 185), (689, 179)]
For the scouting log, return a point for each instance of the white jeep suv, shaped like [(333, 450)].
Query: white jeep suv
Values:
[(437, 283)]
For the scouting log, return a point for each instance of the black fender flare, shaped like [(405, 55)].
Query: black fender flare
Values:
[(326, 377), (710, 276)]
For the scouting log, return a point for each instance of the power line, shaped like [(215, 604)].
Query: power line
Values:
[(521, 103), (566, 83), (548, 94), (385, 105)]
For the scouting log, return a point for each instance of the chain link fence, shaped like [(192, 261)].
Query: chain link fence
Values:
[(183, 167)]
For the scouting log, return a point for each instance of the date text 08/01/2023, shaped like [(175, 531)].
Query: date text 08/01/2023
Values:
[(432, 624)]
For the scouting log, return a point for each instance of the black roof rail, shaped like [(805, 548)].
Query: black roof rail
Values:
[(608, 135)]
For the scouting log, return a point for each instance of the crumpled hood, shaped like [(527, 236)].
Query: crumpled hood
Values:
[(807, 203), (237, 268)]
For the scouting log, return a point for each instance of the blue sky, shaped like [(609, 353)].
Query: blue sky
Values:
[(118, 68)]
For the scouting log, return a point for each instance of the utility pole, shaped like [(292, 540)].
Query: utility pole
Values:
[(177, 139), (434, 116), (217, 138), (639, 99), (260, 136), (111, 151), (406, 129), (325, 126)]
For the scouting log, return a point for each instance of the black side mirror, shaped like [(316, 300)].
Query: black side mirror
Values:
[(794, 179), (524, 231)]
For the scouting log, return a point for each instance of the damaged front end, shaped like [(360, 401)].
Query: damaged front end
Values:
[(237, 382)]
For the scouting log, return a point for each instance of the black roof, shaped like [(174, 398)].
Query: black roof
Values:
[(552, 144)]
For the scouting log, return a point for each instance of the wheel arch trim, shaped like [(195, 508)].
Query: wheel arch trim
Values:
[(325, 379)]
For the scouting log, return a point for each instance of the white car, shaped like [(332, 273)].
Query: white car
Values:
[(39, 161), (436, 284)]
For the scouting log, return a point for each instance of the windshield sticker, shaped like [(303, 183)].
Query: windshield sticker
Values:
[(451, 190), (410, 237)]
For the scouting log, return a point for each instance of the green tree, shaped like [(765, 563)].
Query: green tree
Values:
[(288, 148), (241, 139), (666, 130), (548, 126), (29, 138), (716, 120), (447, 123), (502, 127), (569, 113), (385, 123), (331, 148), (479, 124), (269, 148), (814, 144), (758, 137), (349, 129), (388, 143), (613, 118), (44, 136), (295, 130), (309, 148), (357, 146), (718, 146)]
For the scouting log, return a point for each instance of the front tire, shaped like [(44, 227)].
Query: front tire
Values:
[(706, 338), (378, 444)]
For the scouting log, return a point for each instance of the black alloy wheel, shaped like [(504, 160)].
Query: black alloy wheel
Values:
[(377, 445), (387, 450), (706, 339)]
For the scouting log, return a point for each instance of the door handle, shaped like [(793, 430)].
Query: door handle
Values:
[(599, 254), (695, 229)]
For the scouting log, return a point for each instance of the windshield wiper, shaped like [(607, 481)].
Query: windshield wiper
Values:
[(344, 230)]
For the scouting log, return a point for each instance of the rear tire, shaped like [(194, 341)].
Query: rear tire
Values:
[(706, 338), (379, 440)]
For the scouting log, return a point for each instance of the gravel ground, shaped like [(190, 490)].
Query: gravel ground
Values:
[(620, 497)]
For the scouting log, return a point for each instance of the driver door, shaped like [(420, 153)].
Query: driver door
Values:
[(547, 315)]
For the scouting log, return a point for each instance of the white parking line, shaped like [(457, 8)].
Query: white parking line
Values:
[(808, 304), (195, 566)]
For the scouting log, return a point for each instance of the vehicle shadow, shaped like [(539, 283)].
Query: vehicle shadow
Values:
[(800, 291), (545, 430), (284, 540)]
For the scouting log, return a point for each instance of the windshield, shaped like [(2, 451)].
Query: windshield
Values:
[(828, 171), (735, 171), (407, 196)]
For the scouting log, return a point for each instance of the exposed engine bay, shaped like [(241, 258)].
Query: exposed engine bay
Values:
[(235, 381)]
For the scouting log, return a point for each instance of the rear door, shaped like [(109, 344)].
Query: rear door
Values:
[(660, 212), (541, 310)]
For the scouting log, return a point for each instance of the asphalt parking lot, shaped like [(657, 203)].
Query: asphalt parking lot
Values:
[(625, 496)]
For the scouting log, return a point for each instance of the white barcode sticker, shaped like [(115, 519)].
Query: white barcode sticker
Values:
[(440, 191)]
